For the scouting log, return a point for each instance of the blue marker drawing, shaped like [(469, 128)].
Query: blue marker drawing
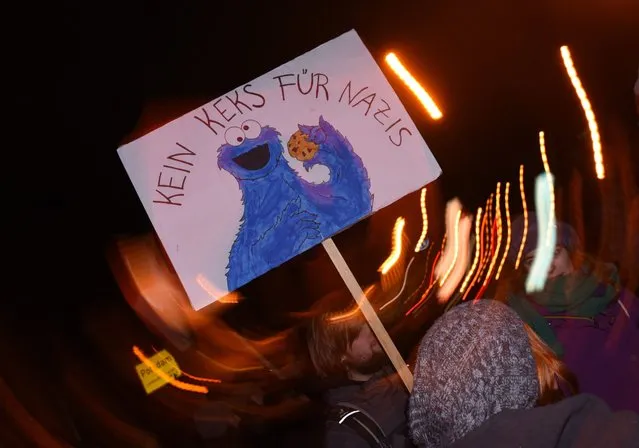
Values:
[(284, 214)]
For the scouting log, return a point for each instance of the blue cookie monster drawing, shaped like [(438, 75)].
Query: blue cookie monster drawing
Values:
[(345, 197), (284, 214)]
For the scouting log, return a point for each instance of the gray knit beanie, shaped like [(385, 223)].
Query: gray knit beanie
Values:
[(473, 363)]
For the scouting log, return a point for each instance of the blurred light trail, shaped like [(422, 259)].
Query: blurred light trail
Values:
[(477, 250), (421, 300), (508, 229), (397, 247), (449, 255), (542, 149), (172, 381), (461, 262), (450, 270), (214, 293), (435, 261), (482, 256), (349, 314), (422, 204), (152, 290), (497, 222), (549, 177), (425, 278), (547, 234), (201, 379), (402, 288), (586, 106), (525, 206), (396, 65), (489, 240)]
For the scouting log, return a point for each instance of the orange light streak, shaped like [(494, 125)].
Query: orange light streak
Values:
[(437, 257), (482, 258), (551, 186), (421, 300), (493, 260), (214, 293), (397, 246), (485, 285), (422, 204), (489, 235), (489, 243), (172, 381), (508, 234), (542, 150), (201, 379), (523, 202), (424, 98), (477, 250), (336, 317), (455, 249), (461, 261), (587, 108)]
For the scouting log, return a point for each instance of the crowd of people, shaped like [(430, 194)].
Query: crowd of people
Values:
[(554, 368)]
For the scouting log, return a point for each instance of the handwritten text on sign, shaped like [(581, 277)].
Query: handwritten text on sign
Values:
[(164, 362)]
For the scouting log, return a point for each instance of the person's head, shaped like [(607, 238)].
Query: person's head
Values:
[(477, 360), (567, 244), (341, 344)]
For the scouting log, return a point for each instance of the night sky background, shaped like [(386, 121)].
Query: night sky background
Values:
[(84, 77)]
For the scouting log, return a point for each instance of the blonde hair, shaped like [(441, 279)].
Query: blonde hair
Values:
[(552, 373)]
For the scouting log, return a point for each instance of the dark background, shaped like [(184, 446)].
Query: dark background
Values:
[(83, 74), (82, 77)]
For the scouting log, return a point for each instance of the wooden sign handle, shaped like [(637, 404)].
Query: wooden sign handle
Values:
[(369, 313)]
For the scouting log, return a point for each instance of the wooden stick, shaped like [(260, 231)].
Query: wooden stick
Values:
[(369, 313)]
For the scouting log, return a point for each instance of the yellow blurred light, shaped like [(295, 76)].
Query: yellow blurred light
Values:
[(214, 293), (172, 381), (477, 250), (201, 379), (455, 249), (551, 187), (588, 112), (352, 312), (488, 219), (460, 263), (509, 231), (523, 202), (396, 65), (422, 204), (397, 246), (493, 260), (542, 148), (483, 257)]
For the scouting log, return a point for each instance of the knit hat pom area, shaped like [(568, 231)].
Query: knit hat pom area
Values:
[(473, 363)]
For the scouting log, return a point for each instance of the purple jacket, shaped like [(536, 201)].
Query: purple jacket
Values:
[(603, 352)]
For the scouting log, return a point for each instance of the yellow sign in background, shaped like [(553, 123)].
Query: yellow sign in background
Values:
[(165, 363)]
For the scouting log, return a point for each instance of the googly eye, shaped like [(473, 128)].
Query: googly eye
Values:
[(251, 128), (234, 136)]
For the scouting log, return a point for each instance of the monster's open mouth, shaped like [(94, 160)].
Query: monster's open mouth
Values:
[(254, 159)]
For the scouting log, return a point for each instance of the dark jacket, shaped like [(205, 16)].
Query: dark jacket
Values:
[(384, 398), (583, 421), (603, 351)]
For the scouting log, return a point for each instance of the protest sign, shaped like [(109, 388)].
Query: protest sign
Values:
[(165, 363), (251, 179)]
